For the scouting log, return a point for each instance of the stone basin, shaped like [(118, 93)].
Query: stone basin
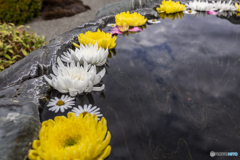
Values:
[(171, 91)]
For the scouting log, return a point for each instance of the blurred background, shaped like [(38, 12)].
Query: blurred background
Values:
[(29, 24), (72, 14)]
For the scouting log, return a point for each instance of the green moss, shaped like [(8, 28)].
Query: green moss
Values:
[(16, 43), (19, 11)]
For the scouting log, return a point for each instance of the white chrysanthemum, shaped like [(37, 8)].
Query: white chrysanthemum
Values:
[(111, 25), (61, 104), (88, 53), (224, 6), (199, 6), (153, 21), (87, 109), (75, 79), (190, 12)]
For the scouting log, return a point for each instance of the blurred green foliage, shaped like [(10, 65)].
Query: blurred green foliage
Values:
[(19, 11), (16, 43)]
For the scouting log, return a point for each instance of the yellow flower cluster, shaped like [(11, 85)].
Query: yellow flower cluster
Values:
[(127, 19), (170, 7), (72, 138), (238, 7), (105, 40), (171, 16)]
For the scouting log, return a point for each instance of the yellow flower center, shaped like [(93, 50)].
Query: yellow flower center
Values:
[(154, 20), (190, 11), (112, 25), (60, 103), (70, 142), (123, 28), (84, 113)]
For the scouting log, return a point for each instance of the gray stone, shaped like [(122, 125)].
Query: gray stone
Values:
[(19, 126), (23, 91)]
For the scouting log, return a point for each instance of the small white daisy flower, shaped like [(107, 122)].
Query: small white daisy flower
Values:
[(87, 109), (190, 11), (61, 104), (89, 53), (111, 25), (153, 21)]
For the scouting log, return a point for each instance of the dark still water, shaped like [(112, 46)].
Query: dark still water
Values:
[(173, 91)]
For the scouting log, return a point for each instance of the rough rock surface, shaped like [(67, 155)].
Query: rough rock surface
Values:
[(23, 91)]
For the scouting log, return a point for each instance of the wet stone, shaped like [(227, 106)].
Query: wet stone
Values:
[(19, 126), (171, 91)]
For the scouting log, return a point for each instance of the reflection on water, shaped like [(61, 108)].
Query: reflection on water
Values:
[(172, 91), (112, 52), (202, 14), (173, 16), (226, 14), (234, 19)]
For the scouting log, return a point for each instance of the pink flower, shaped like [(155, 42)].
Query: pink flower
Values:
[(116, 30), (212, 12)]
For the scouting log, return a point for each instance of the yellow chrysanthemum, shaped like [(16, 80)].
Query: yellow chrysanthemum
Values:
[(127, 19), (238, 7), (171, 16), (105, 40), (170, 7), (72, 138)]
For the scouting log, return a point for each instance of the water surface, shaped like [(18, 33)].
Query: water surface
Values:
[(172, 91)]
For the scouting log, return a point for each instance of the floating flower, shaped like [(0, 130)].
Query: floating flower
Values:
[(200, 5), (171, 16), (170, 7), (75, 79), (190, 11), (116, 30), (153, 21), (89, 53), (224, 6), (61, 104), (125, 19), (87, 109), (72, 138), (111, 25), (212, 12), (105, 40), (238, 7)]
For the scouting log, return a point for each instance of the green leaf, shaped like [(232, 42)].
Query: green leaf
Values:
[(7, 56), (11, 51), (20, 26), (14, 57), (8, 46), (24, 52)]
